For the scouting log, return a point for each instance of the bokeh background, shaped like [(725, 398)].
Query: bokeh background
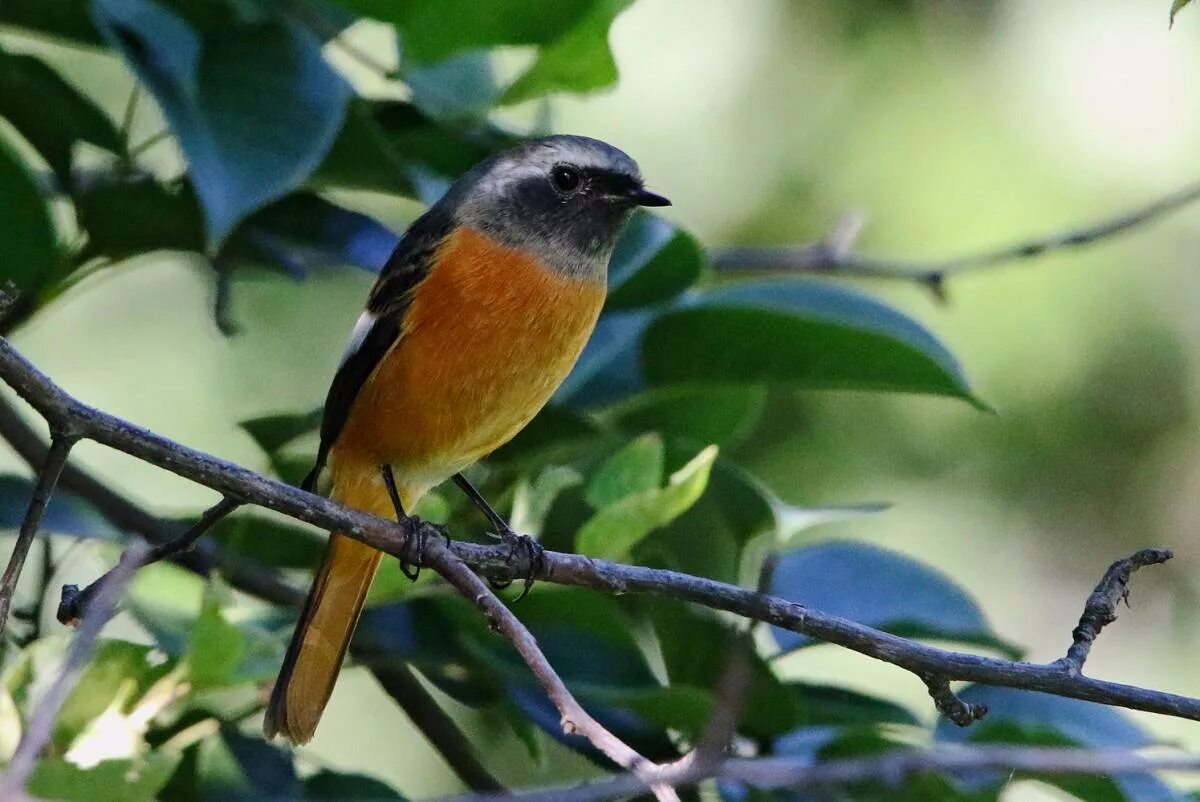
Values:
[(953, 127)]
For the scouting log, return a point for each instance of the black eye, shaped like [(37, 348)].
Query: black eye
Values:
[(565, 177)]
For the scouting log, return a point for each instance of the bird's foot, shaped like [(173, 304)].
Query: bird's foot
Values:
[(535, 557), (422, 530)]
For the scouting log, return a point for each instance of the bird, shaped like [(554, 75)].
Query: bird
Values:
[(474, 321)]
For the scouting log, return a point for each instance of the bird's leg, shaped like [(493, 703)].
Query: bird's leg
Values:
[(413, 572), (533, 550)]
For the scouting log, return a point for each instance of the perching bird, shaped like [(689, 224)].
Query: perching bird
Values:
[(477, 317)]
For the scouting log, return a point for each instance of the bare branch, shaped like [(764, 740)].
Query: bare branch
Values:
[(1101, 607), (257, 580), (964, 714), (41, 723), (835, 255), (74, 603), (574, 720), (493, 561), (51, 470), (891, 768)]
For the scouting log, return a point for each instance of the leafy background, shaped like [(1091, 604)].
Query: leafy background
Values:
[(713, 418)]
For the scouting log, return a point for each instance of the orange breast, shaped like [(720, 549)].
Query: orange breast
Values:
[(489, 336)]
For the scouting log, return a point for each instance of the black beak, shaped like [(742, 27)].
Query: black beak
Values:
[(644, 197)]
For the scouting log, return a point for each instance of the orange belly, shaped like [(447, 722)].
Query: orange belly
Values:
[(488, 337)]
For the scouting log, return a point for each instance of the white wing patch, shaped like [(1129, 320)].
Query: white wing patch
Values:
[(362, 328)]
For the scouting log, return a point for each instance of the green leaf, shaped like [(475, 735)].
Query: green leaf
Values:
[(1038, 719), (67, 19), (804, 333), (636, 468), (108, 781), (216, 647), (333, 786), (836, 706), (458, 88), (127, 218), (303, 231), (50, 113), (232, 767), (119, 670), (267, 539), (882, 589), (27, 237), (698, 414), (578, 61), (273, 432), (617, 528), (532, 500), (792, 521), (1176, 7), (653, 262), (431, 30), (65, 514), (255, 107)]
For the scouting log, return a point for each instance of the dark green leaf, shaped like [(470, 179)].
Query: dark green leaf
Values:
[(1038, 719), (608, 368), (332, 786), (653, 262), (64, 18), (65, 515), (273, 432), (278, 542), (695, 414), (805, 333), (27, 236), (107, 781), (461, 87), (255, 107), (232, 767), (431, 30), (50, 113), (579, 60), (303, 231), (830, 705), (127, 218), (882, 589)]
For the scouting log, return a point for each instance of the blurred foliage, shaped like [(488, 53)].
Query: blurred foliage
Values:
[(639, 458)]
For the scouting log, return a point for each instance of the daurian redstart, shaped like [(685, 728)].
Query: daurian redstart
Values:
[(477, 317)]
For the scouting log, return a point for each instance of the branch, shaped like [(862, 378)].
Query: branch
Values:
[(835, 253), (1101, 607), (56, 458), (889, 768), (395, 538), (263, 583), (41, 723)]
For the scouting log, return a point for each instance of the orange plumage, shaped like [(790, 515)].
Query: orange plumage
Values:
[(488, 336)]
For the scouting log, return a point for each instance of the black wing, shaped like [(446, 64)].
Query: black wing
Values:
[(409, 263)]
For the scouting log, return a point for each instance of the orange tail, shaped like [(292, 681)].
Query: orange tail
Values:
[(322, 635)]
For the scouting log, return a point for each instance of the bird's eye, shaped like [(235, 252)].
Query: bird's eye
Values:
[(565, 177)]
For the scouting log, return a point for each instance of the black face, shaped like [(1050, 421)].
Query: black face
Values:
[(584, 207)]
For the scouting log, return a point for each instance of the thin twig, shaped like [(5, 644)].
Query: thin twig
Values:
[(41, 723), (834, 254), (56, 458), (1101, 607), (889, 768), (962, 713), (571, 569), (574, 720), (74, 604)]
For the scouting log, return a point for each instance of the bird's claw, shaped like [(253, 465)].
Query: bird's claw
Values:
[(422, 529), (534, 553)]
